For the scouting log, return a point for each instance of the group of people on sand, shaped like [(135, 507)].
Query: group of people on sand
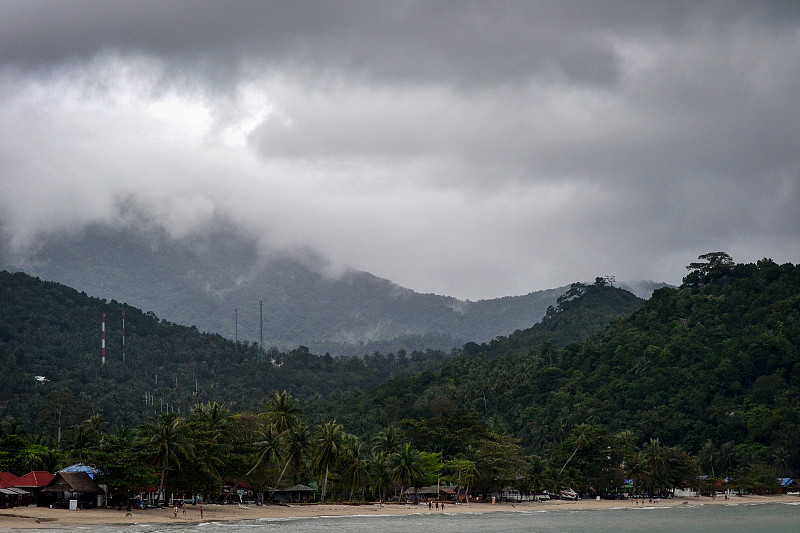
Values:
[(635, 501), (183, 508), (430, 504)]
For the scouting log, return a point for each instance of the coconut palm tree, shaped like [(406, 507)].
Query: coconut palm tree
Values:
[(581, 440), (170, 439), (707, 456), (386, 441), (327, 453), (356, 471), (212, 428), (536, 472), (406, 467), (655, 461), (268, 446), (214, 419), (296, 440), (477, 461), (283, 412), (381, 473)]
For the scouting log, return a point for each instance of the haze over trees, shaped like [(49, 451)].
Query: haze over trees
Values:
[(703, 379), (216, 281)]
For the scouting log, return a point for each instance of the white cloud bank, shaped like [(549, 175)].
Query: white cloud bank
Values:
[(473, 151)]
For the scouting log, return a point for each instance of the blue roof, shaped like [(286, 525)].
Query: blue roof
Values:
[(81, 467), (785, 481)]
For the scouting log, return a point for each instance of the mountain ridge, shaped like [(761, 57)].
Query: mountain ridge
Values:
[(216, 280)]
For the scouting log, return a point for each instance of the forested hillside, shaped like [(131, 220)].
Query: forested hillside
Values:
[(712, 367), (203, 279), (52, 331), (703, 379)]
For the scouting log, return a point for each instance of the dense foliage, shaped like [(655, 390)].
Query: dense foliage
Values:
[(52, 331), (703, 379), (711, 368)]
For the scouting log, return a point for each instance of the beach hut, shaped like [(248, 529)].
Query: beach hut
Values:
[(294, 494), (235, 490), (33, 482), (9, 496), (78, 486)]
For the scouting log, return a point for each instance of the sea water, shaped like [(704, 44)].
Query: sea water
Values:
[(773, 518)]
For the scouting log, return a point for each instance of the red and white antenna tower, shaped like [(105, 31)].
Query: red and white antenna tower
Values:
[(123, 335), (103, 338)]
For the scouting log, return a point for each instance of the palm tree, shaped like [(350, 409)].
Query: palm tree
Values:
[(95, 424), (297, 440), (707, 457), (654, 459), (356, 469), (212, 430), (381, 473), (170, 438), (728, 453), (214, 419), (780, 460), (283, 411), (269, 447), (386, 441), (327, 452), (406, 467), (473, 456), (636, 469), (536, 472), (581, 440)]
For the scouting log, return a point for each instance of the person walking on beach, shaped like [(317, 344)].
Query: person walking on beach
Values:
[(175, 511), (183, 506), (201, 511)]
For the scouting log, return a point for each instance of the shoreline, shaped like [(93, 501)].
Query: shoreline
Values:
[(33, 518)]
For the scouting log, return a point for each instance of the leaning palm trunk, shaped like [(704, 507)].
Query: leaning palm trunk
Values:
[(161, 485), (568, 460), (271, 494), (324, 484)]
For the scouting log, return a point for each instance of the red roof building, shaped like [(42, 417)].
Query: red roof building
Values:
[(33, 480), (6, 479)]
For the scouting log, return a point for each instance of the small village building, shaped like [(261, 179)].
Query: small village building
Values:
[(294, 494), (66, 486), (10, 496), (33, 482), (785, 484), (238, 491), (442, 493)]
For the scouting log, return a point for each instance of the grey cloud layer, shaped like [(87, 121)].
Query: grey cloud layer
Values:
[(511, 145), (467, 41)]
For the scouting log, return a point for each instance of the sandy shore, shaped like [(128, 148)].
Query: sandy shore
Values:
[(44, 518)]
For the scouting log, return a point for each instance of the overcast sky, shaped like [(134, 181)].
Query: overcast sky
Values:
[(469, 149)]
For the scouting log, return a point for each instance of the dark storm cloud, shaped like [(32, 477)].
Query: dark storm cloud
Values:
[(465, 42), (512, 145)]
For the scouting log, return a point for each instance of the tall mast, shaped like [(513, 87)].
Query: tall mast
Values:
[(261, 340), (103, 338)]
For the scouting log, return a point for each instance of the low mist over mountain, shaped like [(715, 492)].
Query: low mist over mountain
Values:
[(50, 353), (203, 279)]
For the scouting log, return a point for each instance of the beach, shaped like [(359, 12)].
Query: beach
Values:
[(44, 518)]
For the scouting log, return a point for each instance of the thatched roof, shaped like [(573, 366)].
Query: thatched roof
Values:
[(297, 488), (72, 482)]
